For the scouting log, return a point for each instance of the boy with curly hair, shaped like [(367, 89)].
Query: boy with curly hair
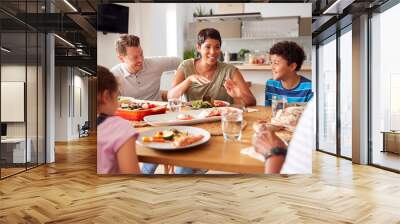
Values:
[(287, 58)]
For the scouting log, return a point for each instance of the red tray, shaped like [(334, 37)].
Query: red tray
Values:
[(138, 115)]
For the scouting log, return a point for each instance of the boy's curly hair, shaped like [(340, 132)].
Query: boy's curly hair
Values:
[(290, 51)]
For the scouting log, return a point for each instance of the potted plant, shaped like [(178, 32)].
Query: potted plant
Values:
[(187, 54), (199, 11), (241, 54)]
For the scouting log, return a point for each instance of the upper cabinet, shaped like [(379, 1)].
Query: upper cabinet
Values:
[(305, 26), (229, 8), (276, 27), (253, 21), (247, 26), (227, 29)]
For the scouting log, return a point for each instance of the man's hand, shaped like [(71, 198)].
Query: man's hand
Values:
[(266, 141)]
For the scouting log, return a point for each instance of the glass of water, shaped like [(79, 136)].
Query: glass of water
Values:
[(174, 105), (232, 122), (278, 103)]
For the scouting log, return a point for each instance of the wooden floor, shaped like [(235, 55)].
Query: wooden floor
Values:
[(10, 171), (387, 159), (69, 191)]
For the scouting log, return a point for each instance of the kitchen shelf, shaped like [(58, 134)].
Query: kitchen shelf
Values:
[(260, 67), (232, 16), (264, 38), (258, 38)]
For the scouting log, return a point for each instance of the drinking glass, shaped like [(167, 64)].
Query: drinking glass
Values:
[(232, 122), (174, 105), (278, 103)]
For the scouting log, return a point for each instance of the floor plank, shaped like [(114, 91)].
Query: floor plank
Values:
[(69, 191)]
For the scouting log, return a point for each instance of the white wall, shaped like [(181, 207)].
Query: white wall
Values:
[(33, 127), (106, 54), (14, 73), (17, 73), (149, 22), (81, 105), (181, 24), (67, 116), (61, 103)]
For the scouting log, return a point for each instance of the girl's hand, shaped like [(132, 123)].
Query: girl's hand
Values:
[(232, 88), (201, 80)]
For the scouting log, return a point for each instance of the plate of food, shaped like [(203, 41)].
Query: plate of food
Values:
[(173, 137), (136, 110), (199, 104), (288, 117), (185, 117)]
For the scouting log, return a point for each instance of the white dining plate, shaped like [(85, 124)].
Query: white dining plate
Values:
[(167, 146), (171, 118)]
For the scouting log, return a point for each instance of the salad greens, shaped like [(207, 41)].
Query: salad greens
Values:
[(197, 104)]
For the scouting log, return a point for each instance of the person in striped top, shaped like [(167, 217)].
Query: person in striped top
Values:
[(287, 58)]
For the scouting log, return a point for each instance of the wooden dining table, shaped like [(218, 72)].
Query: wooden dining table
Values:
[(216, 154)]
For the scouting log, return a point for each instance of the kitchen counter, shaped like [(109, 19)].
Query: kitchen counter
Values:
[(265, 67)]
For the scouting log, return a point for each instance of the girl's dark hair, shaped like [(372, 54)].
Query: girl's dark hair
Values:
[(208, 33), (106, 80), (290, 51)]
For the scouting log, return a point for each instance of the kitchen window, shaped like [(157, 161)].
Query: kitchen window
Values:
[(346, 95), (327, 96), (385, 89)]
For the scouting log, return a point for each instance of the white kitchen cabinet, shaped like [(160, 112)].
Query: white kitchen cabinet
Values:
[(227, 29), (279, 9), (277, 27)]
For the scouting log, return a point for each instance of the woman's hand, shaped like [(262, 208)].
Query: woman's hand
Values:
[(237, 88), (232, 88), (201, 80), (266, 141)]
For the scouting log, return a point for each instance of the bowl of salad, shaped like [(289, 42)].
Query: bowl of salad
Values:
[(136, 111)]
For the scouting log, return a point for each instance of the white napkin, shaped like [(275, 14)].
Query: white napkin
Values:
[(249, 110), (252, 153)]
